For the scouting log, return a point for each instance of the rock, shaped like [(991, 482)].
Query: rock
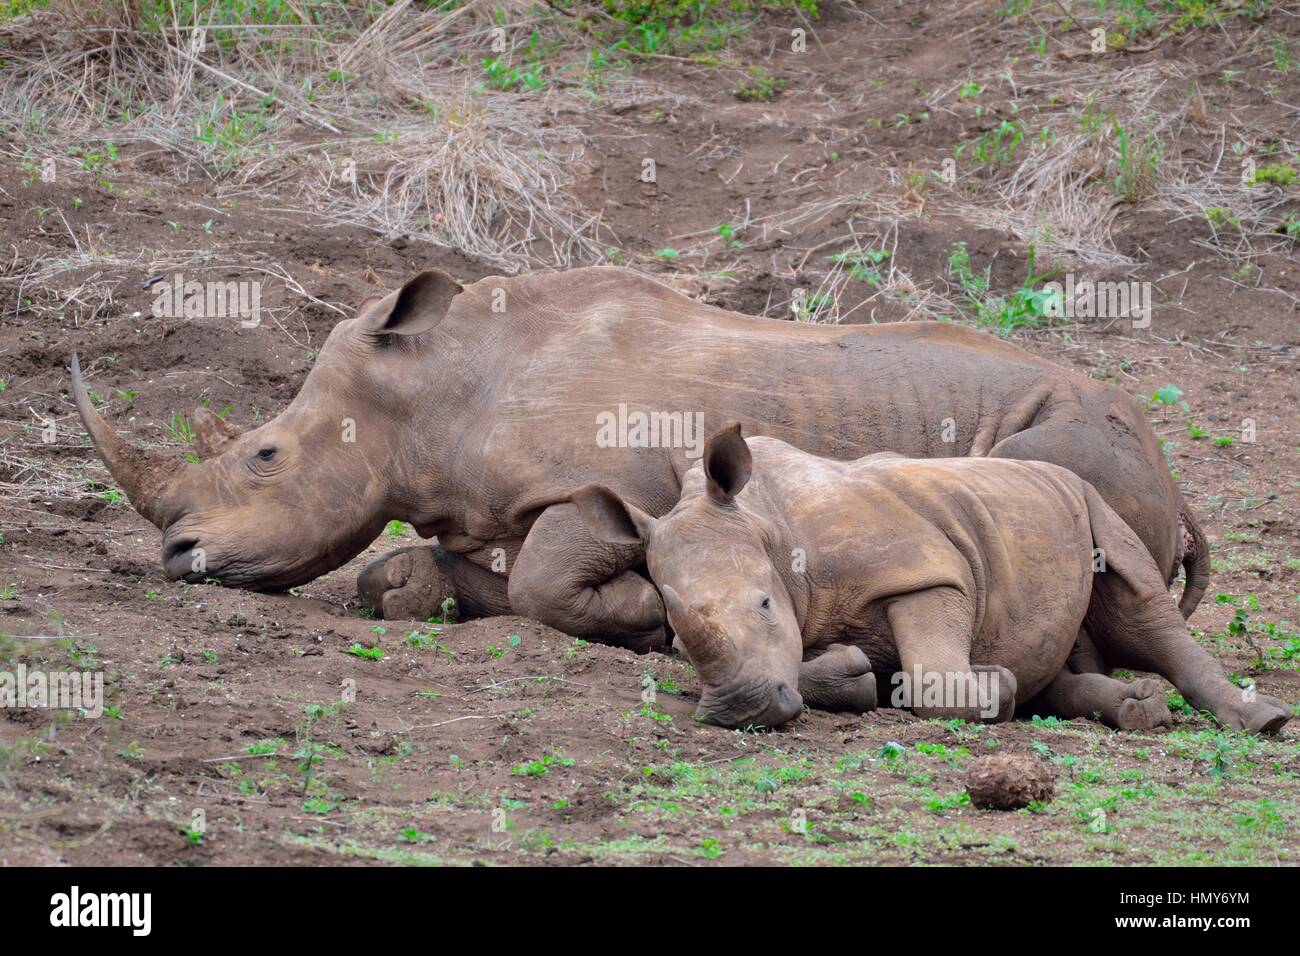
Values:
[(1009, 782)]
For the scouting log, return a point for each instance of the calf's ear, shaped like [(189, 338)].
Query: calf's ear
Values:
[(414, 308), (727, 463), (609, 517)]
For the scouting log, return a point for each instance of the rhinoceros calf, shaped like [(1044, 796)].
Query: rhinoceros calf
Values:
[(968, 577), (472, 412)]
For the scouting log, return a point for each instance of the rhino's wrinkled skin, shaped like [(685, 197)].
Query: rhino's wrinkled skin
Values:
[(473, 412), (963, 569)]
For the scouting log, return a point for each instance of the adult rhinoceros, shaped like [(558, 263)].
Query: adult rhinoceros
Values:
[(473, 412)]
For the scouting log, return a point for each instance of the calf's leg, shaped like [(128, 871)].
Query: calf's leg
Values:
[(1128, 705), (566, 578), (933, 631), (1136, 624)]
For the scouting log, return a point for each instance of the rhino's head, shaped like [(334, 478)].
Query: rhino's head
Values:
[(304, 493), (711, 560)]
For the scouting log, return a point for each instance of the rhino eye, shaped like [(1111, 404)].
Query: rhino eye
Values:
[(266, 454), (766, 603)]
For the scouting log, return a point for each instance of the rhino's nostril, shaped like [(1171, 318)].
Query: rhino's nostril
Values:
[(783, 694), (176, 549)]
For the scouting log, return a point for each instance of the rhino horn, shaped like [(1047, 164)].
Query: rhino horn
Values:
[(212, 433), (143, 473)]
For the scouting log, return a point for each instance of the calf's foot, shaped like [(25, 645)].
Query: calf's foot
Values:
[(1127, 705), (1254, 713), (1143, 706), (839, 679)]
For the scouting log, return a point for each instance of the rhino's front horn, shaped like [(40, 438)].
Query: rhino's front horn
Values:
[(144, 474)]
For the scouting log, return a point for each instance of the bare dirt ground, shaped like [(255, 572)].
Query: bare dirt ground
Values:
[(500, 741)]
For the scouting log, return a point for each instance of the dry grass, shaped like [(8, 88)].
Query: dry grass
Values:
[(437, 153)]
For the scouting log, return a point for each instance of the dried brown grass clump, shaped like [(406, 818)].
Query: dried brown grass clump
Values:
[(397, 89)]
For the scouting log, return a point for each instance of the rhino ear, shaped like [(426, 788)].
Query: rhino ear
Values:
[(414, 308), (673, 601), (727, 463), (610, 518), (212, 433)]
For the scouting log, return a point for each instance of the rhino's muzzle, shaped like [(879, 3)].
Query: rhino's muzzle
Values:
[(759, 705)]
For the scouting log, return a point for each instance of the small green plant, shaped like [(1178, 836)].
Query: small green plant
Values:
[(513, 641), (356, 649), (179, 428), (445, 612), (1135, 165), (998, 146), (1279, 174), (862, 264), (728, 235), (1220, 216), (1024, 307), (759, 86), (1169, 396), (507, 78), (132, 751), (542, 765), (710, 849), (893, 751)]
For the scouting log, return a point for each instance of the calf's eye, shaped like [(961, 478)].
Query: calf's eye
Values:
[(266, 454)]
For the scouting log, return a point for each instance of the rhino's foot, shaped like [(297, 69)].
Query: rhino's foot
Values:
[(407, 584), (840, 679), (1126, 705), (1002, 688), (1143, 706), (1263, 715)]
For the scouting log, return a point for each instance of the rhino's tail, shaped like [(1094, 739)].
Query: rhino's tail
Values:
[(1196, 563)]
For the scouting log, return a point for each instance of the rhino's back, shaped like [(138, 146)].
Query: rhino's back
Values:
[(582, 343)]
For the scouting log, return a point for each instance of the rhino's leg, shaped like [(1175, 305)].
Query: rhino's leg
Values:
[(412, 583), (1136, 624), (839, 679), (567, 579), (1117, 464), (1128, 705), (932, 630)]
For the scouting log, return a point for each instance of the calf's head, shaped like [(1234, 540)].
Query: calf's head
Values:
[(294, 498), (711, 558)]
